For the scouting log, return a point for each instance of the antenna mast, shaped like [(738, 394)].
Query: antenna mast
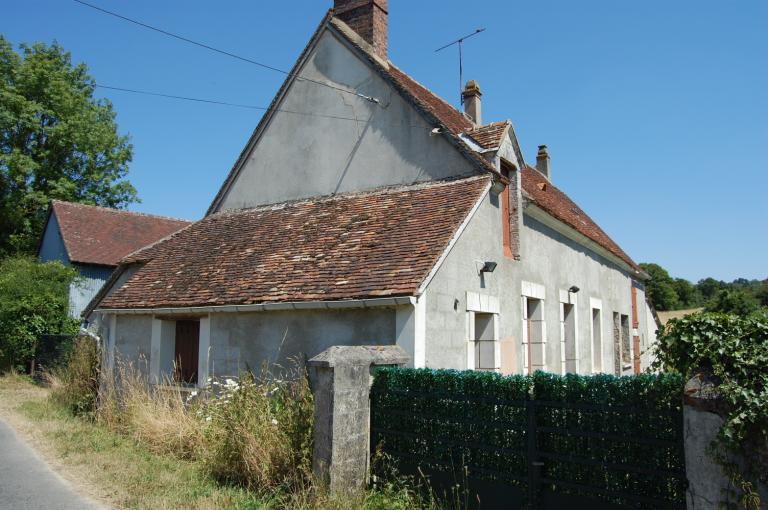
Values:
[(460, 42)]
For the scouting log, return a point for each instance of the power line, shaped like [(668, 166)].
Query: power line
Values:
[(171, 96), (241, 105), (222, 52)]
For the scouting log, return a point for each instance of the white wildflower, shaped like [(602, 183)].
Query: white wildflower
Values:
[(274, 421)]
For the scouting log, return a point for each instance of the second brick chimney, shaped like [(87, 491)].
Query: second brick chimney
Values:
[(368, 18), (542, 162), (471, 99)]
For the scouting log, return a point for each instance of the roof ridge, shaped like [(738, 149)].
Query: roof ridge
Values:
[(120, 211), (437, 96), (384, 190), (495, 123)]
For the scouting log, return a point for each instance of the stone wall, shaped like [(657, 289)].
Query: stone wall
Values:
[(702, 419)]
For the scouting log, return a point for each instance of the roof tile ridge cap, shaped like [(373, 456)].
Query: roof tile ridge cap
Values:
[(496, 123), (417, 82), (384, 190), (152, 245), (120, 211), (357, 40)]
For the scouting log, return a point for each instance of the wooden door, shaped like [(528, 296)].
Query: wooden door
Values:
[(187, 347)]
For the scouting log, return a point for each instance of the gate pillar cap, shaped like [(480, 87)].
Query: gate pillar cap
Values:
[(360, 355)]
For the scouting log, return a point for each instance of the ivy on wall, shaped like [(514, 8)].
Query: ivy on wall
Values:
[(733, 351)]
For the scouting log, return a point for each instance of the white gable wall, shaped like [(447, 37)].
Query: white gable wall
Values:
[(299, 155)]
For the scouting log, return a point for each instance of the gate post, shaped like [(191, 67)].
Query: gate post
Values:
[(341, 382)]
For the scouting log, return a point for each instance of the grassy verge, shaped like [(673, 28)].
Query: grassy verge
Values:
[(126, 470), (110, 466)]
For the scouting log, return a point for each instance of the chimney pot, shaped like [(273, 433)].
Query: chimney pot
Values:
[(471, 99), (542, 162), (369, 18)]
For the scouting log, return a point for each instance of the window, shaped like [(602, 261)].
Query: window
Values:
[(616, 344), (568, 356), (485, 342), (533, 335), (626, 359), (597, 341)]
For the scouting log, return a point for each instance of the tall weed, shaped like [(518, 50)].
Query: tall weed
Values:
[(76, 385)]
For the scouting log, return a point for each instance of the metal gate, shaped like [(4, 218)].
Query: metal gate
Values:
[(531, 453)]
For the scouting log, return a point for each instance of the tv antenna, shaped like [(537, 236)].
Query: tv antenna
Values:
[(460, 42)]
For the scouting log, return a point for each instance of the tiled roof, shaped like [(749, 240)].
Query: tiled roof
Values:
[(557, 204), (98, 235), (490, 135), (448, 115), (352, 246)]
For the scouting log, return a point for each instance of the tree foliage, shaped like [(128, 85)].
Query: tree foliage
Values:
[(734, 302), (661, 287), (34, 300), (56, 142), (741, 296)]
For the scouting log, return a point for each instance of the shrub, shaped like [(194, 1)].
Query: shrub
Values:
[(259, 432), (34, 300), (76, 385), (734, 350)]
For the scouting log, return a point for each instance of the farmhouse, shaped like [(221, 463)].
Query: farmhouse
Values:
[(364, 209), (94, 239)]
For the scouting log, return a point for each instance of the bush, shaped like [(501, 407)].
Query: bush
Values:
[(34, 300), (76, 385), (734, 351), (737, 302), (259, 433)]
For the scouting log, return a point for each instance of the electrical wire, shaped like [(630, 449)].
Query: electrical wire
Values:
[(223, 52), (248, 106)]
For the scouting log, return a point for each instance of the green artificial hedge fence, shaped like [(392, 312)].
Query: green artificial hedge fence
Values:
[(618, 439)]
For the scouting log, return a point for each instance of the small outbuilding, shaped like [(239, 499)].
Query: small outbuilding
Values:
[(94, 239)]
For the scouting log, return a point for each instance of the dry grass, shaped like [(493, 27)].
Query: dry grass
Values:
[(154, 447)]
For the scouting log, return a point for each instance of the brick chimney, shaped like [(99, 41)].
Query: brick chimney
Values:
[(471, 97), (542, 162), (368, 18)]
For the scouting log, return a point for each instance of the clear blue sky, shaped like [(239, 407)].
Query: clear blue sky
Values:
[(655, 112)]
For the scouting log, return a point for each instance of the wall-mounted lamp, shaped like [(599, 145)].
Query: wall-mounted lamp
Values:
[(488, 267), (573, 290)]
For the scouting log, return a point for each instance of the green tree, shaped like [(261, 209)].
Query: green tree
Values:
[(34, 300), (687, 294), (660, 289), (56, 142), (762, 293), (737, 302), (708, 287)]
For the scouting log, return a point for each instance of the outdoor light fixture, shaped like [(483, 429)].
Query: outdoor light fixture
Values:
[(488, 267), (573, 290)]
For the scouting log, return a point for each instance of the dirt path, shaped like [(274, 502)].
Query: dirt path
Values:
[(27, 481), (31, 476)]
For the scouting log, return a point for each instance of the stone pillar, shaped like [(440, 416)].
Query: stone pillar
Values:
[(341, 381)]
